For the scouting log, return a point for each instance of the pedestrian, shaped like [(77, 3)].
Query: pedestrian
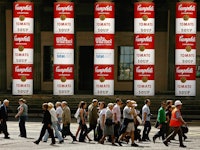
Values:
[(82, 123), (22, 114), (108, 125), (92, 117), (46, 125), (161, 120), (54, 125), (176, 122), (59, 112), (66, 119), (101, 119), (117, 117), (4, 118), (128, 128), (146, 117)]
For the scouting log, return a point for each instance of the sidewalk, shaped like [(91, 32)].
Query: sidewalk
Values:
[(33, 130)]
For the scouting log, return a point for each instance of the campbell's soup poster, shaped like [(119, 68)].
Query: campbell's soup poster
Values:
[(104, 30)]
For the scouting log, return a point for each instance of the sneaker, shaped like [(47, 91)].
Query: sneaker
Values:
[(120, 143), (6, 137), (36, 142), (134, 145), (113, 144)]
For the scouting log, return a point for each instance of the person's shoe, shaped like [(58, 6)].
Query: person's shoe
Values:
[(154, 139), (183, 146), (60, 142), (53, 143), (165, 142), (36, 142), (120, 143), (6, 137), (185, 137), (74, 139), (134, 145), (113, 144)]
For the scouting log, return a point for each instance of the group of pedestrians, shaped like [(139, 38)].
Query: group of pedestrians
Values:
[(115, 122), (170, 122)]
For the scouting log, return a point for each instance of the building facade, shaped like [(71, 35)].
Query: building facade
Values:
[(84, 46)]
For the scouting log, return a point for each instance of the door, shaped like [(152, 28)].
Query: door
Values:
[(86, 63)]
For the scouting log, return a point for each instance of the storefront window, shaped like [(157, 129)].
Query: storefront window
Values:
[(125, 64), (48, 63), (198, 66)]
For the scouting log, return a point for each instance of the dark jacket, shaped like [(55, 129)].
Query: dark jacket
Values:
[(46, 118), (3, 113)]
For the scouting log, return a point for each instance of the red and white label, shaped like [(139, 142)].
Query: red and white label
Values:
[(66, 71), (104, 10), (23, 9), (186, 8), (185, 71), (145, 41), (22, 70), (104, 41), (23, 40), (144, 8), (62, 8), (105, 71), (64, 41), (141, 71), (184, 41)]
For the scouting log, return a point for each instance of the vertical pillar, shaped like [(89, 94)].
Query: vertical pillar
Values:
[(144, 51), (23, 37), (63, 83), (185, 53), (104, 30)]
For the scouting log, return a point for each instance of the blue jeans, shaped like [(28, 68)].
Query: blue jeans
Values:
[(57, 132)]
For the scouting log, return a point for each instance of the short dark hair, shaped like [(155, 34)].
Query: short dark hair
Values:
[(117, 100)]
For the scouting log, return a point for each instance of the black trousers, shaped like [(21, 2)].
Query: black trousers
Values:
[(66, 131), (93, 127), (117, 130), (147, 129), (84, 132), (4, 128), (43, 130), (161, 132), (22, 128)]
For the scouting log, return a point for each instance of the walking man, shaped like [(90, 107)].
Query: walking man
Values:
[(4, 118), (176, 122), (161, 119), (146, 117), (22, 114)]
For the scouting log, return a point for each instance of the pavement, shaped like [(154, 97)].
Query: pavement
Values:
[(33, 129)]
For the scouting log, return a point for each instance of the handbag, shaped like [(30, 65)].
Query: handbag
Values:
[(156, 124), (108, 122)]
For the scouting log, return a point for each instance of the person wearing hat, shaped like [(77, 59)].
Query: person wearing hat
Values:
[(93, 116), (176, 122), (22, 114)]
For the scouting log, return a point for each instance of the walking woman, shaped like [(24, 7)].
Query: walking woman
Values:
[(109, 126), (82, 123), (22, 114), (46, 125)]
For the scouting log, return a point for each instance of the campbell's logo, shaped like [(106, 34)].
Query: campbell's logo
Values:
[(63, 40), (144, 9), (186, 40), (65, 8), (144, 70), (104, 8), (187, 8), (22, 8), (102, 40), (64, 70), (184, 71), (22, 39), (143, 39), (22, 70), (103, 70)]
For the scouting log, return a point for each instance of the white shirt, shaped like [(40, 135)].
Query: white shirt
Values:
[(54, 118), (116, 110), (59, 111)]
